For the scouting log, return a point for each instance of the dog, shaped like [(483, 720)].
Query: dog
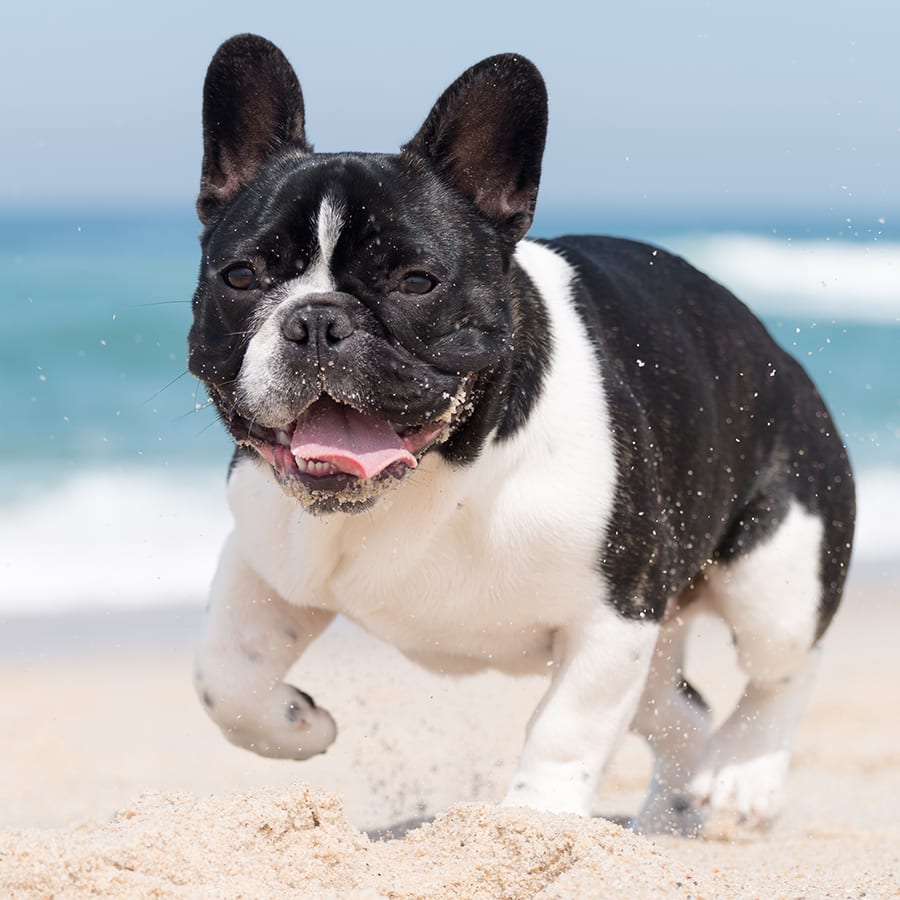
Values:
[(490, 451)]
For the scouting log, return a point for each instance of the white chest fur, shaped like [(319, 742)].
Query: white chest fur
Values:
[(462, 568)]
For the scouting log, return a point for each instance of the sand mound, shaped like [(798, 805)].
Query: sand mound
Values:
[(298, 843)]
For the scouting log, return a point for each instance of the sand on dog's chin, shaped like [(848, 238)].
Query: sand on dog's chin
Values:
[(297, 842)]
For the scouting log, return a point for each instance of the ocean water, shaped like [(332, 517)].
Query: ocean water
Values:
[(112, 465)]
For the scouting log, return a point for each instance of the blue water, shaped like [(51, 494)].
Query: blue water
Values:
[(93, 381), (93, 352)]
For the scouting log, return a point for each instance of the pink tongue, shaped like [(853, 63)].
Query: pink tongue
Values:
[(354, 442)]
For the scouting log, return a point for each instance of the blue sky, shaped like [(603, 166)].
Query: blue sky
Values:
[(655, 106)]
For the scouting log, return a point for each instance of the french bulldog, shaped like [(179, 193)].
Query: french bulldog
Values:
[(490, 451)]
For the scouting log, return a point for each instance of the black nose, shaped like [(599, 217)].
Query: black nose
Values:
[(322, 326)]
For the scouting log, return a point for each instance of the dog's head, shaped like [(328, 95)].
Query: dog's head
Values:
[(356, 311)]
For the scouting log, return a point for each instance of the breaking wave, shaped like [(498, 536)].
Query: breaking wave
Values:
[(820, 278)]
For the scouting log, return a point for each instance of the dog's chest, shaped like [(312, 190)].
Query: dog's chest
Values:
[(458, 569)]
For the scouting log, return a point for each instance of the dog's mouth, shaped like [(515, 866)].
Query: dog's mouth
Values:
[(334, 447)]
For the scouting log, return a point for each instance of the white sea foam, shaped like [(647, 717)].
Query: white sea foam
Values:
[(832, 279), (110, 541), (878, 516), (119, 540)]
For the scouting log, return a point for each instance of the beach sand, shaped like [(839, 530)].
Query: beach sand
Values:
[(116, 784)]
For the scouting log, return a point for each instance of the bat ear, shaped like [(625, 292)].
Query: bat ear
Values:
[(252, 107), (485, 135)]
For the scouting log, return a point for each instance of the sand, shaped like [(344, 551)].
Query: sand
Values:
[(116, 784)]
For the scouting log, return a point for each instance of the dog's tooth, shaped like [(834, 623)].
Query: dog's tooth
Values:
[(315, 467), (283, 438)]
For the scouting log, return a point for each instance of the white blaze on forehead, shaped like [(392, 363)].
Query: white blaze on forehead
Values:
[(317, 278), (329, 225)]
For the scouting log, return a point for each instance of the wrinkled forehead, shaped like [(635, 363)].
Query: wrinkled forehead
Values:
[(390, 209), (315, 196)]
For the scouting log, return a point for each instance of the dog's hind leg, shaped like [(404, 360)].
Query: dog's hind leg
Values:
[(771, 597), (251, 637), (675, 720)]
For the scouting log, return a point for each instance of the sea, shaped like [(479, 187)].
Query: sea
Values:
[(113, 464)]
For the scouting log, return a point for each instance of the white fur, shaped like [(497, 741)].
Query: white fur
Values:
[(251, 639), (329, 224), (597, 681), (745, 593), (770, 597), (746, 762)]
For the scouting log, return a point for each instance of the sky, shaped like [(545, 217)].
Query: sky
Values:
[(710, 107)]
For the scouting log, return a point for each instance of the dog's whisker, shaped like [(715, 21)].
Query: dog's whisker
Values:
[(165, 387), (206, 427), (159, 303), (241, 334)]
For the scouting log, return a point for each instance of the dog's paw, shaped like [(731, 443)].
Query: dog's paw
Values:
[(556, 788), (283, 724), (751, 789), (668, 813)]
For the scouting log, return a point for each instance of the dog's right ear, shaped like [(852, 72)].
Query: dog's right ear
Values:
[(252, 106)]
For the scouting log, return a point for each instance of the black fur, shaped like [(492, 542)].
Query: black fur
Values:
[(692, 693), (293, 710)]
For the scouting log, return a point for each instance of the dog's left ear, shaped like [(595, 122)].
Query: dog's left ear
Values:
[(486, 136)]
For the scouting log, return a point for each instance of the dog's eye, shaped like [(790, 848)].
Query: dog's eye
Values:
[(417, 283), (240, 277)]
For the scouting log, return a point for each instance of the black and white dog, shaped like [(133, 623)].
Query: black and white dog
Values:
[(489, 451)]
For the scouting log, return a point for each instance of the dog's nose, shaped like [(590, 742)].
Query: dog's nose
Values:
[(322, 326)]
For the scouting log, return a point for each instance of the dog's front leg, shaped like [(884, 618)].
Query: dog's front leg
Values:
[(251, 637), (599, 671)]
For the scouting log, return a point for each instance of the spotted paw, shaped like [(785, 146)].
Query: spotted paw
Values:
[(285, 723)]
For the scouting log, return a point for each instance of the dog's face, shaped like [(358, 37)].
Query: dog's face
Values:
[(355, 312)]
